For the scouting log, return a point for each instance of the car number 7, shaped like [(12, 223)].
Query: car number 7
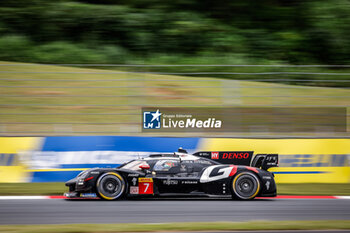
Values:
[(147, 185)]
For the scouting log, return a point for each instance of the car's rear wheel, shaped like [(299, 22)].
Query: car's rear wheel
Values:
[(245, 186), (110, 186)]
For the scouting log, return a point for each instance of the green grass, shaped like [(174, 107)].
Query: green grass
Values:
[(32, 189), (130, 91), (283, 189), (190, 226)]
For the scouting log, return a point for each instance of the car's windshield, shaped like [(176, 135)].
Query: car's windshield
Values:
[(134, 165), (165, 165)]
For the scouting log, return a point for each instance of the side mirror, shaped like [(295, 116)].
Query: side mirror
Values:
[(144, 167)]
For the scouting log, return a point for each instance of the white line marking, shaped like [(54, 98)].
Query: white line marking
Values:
[(343, 197)]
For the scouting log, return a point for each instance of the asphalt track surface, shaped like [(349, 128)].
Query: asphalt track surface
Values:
[(59, 211)]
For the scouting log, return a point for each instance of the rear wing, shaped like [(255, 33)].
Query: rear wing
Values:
[(246, 158), (265, 161)]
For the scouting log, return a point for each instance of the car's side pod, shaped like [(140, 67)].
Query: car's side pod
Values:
[(265, 161)]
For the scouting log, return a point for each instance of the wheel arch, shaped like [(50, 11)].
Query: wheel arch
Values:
[(238, 174)]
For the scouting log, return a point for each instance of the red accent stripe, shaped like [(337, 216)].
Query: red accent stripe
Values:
[(233, 171), (90, 178), (253, 169), (57, 197), (63, 197)]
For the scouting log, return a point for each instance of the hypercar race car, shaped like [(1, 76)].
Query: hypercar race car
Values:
[(237, 174)]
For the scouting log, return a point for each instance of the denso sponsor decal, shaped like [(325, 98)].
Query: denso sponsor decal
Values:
[(228, 157), (236, 155)]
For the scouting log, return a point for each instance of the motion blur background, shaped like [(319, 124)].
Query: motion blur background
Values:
[(101, 61), (175, 32)]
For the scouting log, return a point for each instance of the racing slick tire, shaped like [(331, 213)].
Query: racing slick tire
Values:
[(245, 186), (110, 186)]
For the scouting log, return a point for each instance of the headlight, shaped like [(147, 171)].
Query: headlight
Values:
[(81, 181)]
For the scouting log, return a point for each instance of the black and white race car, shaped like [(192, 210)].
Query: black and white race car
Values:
[(237, 174)]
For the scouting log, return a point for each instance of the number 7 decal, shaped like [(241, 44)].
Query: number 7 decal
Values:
[(145, 186)]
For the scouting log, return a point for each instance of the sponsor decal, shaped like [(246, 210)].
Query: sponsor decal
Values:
[(228, 157), (189, 182), (170, 182), (134, 190), (267, 185), (145, 180), (200, 161), (145, 186), (216, 172), (134, 181), (90, 195), (235, 155), (214, 155)]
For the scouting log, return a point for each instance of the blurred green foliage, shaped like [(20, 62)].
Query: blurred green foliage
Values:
[(176, 32)]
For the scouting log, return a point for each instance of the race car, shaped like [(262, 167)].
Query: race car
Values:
[(236, 173)]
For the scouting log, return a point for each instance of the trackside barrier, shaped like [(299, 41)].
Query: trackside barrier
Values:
[(57, 159)]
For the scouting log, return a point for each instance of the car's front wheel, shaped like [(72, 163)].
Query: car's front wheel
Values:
[(245, 186), (110, 186)]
